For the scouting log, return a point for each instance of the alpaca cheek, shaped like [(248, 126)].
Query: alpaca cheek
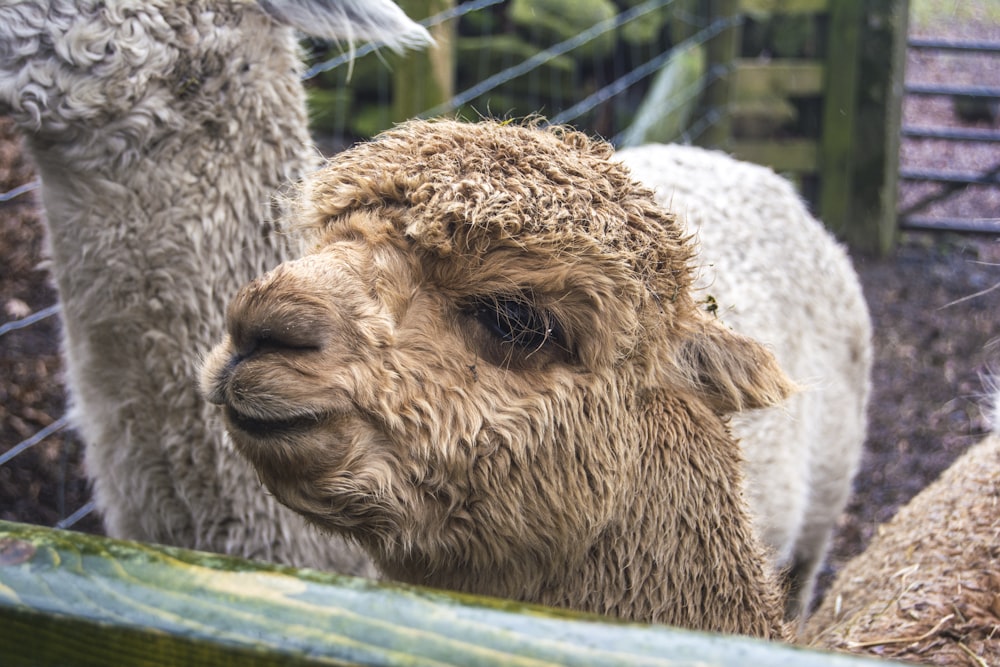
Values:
[(539, 488)]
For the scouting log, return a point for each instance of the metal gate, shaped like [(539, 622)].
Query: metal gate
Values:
[(972, 103)]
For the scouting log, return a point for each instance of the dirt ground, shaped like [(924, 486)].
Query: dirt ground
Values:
[(936, 331)]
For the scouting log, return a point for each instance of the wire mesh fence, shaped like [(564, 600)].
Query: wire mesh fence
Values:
[(511, 62), (40, 476)]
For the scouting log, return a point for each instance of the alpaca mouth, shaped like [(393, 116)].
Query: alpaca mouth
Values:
[(263, 428)]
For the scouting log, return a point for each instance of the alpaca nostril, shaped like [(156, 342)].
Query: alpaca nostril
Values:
[(302, 332), (270, 315)]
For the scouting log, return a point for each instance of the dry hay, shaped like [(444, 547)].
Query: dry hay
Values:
[(927, 590)]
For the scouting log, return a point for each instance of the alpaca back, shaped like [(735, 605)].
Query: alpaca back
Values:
[(771, 271)]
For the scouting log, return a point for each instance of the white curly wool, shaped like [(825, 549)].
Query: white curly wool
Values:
[(162, 130), (772, 272)]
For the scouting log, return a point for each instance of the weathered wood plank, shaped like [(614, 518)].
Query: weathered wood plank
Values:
[(69, 598), (753, 80), (840, 112), (861, 121), (784, 6), (885, 39), (782, 155)]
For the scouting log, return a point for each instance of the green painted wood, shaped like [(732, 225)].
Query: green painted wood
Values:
[(424, 79), (783, 155), (784, 6), (753, 80), (840, 107), (721, 51), (766, 112), (73, 599)]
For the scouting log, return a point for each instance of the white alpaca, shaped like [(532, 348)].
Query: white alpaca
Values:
[(771, 271), (161, 130)]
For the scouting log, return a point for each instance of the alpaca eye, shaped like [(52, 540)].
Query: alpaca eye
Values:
[(514, 321)]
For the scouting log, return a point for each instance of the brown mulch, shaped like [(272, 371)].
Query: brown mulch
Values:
[(45, 483), (935, 341)]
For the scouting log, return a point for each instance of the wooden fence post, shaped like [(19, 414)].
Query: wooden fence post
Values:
[(859, 156), (722, 51), (424, 79)]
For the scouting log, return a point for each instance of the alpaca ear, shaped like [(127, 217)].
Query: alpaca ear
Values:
[(378, 21), (730, 371)]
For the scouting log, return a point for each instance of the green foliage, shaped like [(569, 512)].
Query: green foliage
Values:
[(328, 108), (667, 109), (553, 21)]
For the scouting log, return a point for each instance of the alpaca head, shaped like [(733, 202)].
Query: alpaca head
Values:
[(105, 80), (458, 374)]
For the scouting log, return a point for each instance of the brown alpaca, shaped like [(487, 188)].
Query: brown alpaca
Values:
[(491, 373), (927, 589)]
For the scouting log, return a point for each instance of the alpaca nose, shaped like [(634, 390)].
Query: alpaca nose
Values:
[(277, 313)]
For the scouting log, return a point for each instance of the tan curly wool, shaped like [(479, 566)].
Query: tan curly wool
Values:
[(585, 463), (466, 188), (465, 184), (927, 589), (461, 189)]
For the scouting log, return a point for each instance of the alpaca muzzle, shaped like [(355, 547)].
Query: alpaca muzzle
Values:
[(285, 365)]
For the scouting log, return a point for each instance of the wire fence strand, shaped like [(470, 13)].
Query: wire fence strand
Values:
[(13, 194), (77, 516), (24, 445), (647, 68), (42, 314), (539, 59)]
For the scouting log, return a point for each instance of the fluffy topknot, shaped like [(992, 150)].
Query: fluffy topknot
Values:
[(466, 186)]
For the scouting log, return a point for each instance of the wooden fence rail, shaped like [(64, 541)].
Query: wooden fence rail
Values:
[(73, 599)]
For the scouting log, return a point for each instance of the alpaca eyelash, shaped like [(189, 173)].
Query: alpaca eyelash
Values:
[(515, 321)]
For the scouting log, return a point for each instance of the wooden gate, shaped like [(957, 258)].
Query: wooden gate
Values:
[(814, 91), (970, 103)]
